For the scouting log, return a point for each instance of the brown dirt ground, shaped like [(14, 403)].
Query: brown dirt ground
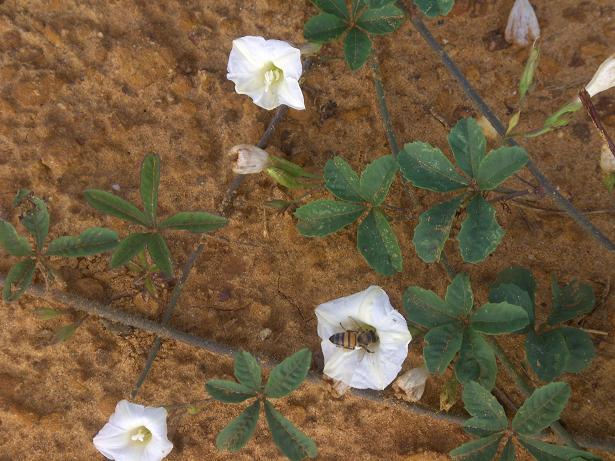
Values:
[(87, 88)]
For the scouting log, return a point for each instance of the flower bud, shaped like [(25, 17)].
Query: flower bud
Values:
[(522, 27), (607, 160), (249, 159), (604, 78), (411, 385)]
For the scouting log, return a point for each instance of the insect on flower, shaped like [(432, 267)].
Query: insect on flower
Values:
[(363, 337)]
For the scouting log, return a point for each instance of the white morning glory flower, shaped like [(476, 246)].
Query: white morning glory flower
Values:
[(266, 70), (522, 26), (604, 78), (357, 367), (134, 433)]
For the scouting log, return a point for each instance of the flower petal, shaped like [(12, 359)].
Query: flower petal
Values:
[(289, 93), (248, 55), (286, 57), (340, 364), (157, 449)]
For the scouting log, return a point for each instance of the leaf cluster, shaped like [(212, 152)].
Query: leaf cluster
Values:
[(426, 167), (283, 379), (489, 422)]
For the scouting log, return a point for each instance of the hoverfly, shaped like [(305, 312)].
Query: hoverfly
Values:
[(362, 336)]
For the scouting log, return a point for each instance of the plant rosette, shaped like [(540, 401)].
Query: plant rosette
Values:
[(134, 433), (266, 70), (358, 368)]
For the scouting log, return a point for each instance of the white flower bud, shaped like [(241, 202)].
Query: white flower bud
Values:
[(249, 159), (604, 78), (607, 160), (411, 385), (522, 27)]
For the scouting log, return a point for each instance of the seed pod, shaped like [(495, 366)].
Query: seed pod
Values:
[(249, 159), (607, 160), (522, 27), (411, 385), (604, 78)]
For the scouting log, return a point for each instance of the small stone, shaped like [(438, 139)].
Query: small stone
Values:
[(264, 334), (115, 187)]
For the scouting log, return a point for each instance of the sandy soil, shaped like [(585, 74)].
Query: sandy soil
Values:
[(86, 88)]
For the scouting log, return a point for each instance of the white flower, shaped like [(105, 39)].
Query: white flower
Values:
[(604, 78), (359, 368), (134, 433), (411, 385), (249, 159), (266, 70), (522, 27)]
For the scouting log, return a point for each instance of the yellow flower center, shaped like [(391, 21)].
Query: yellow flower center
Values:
[(141, 435), (272, 75)]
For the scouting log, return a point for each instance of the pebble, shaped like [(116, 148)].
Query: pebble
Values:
[(264, 334)]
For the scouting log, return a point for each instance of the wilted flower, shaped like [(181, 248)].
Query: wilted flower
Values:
[(411, 385), (266, 70), (249, 159), (607, 160), (374, 366), (522, 27), (134, 433), (604, 78)]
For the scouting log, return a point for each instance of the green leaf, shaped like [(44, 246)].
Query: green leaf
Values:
[(284, 178), (442, 344), (468, 144), (498, 318), (377, 178), (115, 206), (357, 48), (379, 3), (46, 313), (237, 433), (476, 360), (382, 20), (378, 244), (426, 308), (580, 347), (291, 168), (12, 242), (194, 221), (150, 182), (528, 72), (433, 8), (336, 7), (288, 374), (324, 217), (324, 28), (90, 242), (18, 280), (459, 298), (541, 409), (247, 370), (64, 333), (501, 163), (342, 181), (487, 413), (229, 391), (428, 168), (358, 7), (512, 294), (480, 232), (477, 450), (128, 249), (508, 453), (434, 228), (547, 452), (20, 196), (159, 251), (519, 276), (36, 221), (295, 445), (547, 353), (570, 301)]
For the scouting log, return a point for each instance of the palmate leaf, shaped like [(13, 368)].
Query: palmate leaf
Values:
[(336, 7), (468, 144), (378, 244), (384, 18), (115, 206), (434, 228), (288, 374), (476, 360), (428, 168), (480, 232), (547, 353), (36, 221), (12, 242), (426, 308), (342, 181), (90, 242), (487, 413), (357, 48), (499, 318), (379, 3), (247, 370), (128, 248), (547, 452), (459, 298), (229, 391), (194, 221), (580, 347), (323, 28), (500, 164), (541, 409), (442, 344), (18, 280), (159, 251), (434, 8), (508, 453), (478, 450), (324, 217), (519, 276), (377, 178), (358, 7), (295, 445), (512, 294), (237, 433), (570, 301), (150, 182)]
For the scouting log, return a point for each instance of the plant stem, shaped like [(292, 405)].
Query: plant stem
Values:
[(549, 188), (586, 100), (382, 105)]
